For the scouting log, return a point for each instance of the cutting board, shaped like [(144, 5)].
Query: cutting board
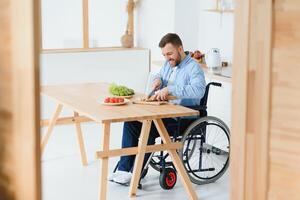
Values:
[(154, 103)]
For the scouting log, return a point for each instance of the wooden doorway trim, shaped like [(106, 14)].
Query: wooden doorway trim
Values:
[(251, 99), (20, 160), (26, 112)]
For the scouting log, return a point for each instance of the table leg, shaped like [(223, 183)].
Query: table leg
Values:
[(50, 127), (176, 160), (104, 161), (139, 159), (80, 141)]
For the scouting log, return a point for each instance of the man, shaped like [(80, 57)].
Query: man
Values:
[(181, 76)]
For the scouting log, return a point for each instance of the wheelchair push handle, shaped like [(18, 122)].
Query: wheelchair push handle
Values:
[(216, 84)]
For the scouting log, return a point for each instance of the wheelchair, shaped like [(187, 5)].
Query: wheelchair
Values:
[(205, 152)]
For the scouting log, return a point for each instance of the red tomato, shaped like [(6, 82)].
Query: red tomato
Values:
[(121, 100), (107, 100), (113, 100)]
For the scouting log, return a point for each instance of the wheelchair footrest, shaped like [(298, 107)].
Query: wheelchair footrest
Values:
[(203, 170)]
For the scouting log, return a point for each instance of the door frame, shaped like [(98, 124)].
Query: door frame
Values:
[(251, 99), (20, 163)]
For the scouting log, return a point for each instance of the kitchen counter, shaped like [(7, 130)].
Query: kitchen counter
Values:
[(224, 75)]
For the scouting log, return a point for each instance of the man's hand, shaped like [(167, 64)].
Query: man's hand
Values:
[(156, 84), (161, 95)]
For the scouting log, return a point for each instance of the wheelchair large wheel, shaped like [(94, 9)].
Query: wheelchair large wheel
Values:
[(209, 160)]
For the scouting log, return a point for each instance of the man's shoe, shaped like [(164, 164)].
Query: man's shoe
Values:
[(123, 178), (116, 174)]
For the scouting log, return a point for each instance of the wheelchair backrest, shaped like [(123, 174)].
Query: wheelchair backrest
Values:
[(203, 101)]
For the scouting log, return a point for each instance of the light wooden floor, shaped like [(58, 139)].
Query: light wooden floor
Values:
[(64, 178)]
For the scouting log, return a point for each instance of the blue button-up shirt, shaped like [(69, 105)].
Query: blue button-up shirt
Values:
[(188, 84)]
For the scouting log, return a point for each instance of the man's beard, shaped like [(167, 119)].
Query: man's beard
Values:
[(177, 61)]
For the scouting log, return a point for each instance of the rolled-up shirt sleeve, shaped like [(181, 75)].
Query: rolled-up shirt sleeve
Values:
[(156, 76), (160, 74), (194, 89)]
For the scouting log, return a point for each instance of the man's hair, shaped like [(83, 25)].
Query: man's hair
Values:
[(172, 38)]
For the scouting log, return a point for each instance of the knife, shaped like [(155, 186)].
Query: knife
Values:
[(150, 93)]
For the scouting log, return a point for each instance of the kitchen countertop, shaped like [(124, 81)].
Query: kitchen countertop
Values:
[(224, 75)]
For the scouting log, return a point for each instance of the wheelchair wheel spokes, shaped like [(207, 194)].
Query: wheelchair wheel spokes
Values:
[(210, 157), (189, 147)]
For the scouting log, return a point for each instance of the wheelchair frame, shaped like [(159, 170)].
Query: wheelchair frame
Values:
[(167, 170), (168, 175)]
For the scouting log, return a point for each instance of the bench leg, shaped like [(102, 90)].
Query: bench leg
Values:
[(50, 127), (176, 160), (80, 141)]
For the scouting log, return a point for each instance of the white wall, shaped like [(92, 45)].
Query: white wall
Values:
[(216, 30), (198, 29), (186, 23), (61, 23), (154, 19)]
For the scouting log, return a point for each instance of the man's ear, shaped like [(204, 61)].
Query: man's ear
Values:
[(180, 49)]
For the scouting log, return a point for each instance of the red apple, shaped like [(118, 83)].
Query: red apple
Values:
[(191, 54), (197, 54)]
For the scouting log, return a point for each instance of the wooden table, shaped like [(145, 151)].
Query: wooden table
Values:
[(84, 100)]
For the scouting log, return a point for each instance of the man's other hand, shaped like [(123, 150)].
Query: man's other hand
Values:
[(161, 95)]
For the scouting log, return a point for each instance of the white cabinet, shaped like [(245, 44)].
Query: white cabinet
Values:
[(219, 101), (130, 68)]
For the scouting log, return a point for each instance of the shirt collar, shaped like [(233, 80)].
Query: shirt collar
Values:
[(185, 60)]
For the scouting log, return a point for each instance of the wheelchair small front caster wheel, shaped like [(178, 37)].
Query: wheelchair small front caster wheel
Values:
[(168, 178), (140, 186)]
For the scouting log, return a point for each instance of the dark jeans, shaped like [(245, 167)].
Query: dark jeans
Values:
[(131, 134)]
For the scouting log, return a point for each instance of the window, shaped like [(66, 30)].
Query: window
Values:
[(82, 24)]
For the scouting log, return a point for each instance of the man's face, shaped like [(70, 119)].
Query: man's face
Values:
[(172, 54)]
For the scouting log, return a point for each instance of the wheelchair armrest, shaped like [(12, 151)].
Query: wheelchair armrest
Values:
[(202, 111), (183, 123), (180, 119), (199, 108)]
